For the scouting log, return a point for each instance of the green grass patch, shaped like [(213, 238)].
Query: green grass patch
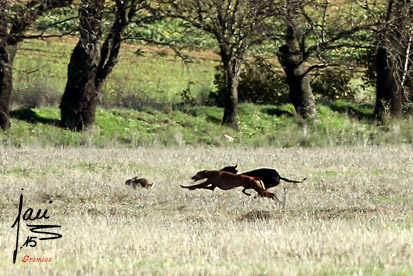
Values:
[(258, 126), (393, 200)]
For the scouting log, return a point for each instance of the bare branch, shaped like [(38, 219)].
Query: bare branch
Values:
[(42, 35), (314, 67), (341, 35), (167, 43)]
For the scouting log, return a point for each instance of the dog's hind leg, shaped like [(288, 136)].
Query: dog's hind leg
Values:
[(258, 187), (266, 193), (272, 195)]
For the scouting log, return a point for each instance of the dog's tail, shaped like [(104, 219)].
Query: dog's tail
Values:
[(293, 181), (185, 187)]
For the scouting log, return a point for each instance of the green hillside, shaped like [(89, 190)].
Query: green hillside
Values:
[(259, 126), (142, 104), (144, 73)]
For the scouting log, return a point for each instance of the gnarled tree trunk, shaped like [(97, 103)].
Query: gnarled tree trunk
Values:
[(292, 60), (231, 70), (7, 53), (15, 18), (91, 63), (388, 91), (390, 62), (301, 95), (78, 104)]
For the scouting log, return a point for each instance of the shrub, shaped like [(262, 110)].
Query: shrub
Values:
[(334, 84), (35, 95), (259, 84)]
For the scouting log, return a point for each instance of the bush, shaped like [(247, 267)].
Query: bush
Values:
[(334, 84), (259, 84), (35, 95)]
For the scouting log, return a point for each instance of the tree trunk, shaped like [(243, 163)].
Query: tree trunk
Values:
[(301, 95), (292, 59), (388, 91), (91, 63), (389, 68), (15, 18), (7, 54), (78, 104), (231, 95)]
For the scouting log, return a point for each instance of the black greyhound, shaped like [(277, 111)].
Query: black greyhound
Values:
[(270, 177)]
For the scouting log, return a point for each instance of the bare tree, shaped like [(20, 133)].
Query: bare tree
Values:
[(236, 25), (393, 59), (15, 18), (314, 28), (91, 62)]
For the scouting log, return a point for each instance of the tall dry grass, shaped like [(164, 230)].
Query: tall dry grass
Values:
[(353, 216)]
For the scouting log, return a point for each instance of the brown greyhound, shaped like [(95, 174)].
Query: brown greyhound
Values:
[(227, 181)]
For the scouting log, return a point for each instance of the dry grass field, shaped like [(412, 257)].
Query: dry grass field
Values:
[(353, 215)]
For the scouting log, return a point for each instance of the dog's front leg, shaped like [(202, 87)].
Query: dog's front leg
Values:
[(244, 191), (204, 185)]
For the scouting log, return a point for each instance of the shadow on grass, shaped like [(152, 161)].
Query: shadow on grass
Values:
[(275, 111), (27, 114), (197, 111), (213, 119), (353, 110)]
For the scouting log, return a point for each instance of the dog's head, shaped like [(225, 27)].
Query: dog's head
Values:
[(200, 175), (231, 169)]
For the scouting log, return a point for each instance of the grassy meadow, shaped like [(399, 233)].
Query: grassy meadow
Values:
[(353, 215)]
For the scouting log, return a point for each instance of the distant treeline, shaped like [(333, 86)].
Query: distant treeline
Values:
[(320, 46)]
